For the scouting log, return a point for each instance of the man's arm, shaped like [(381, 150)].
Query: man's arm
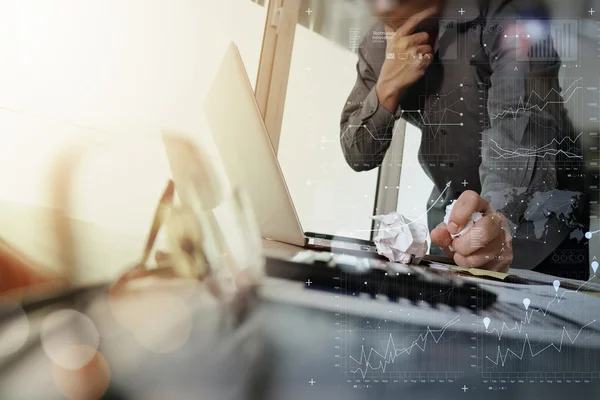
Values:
[(526, 111), (368, 116), (366, 126)]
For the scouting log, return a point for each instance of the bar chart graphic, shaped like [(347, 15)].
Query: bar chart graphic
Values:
[(560, 36)]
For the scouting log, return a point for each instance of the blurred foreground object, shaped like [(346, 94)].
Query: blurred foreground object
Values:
[(212, 232), (18, 272), (212, 271)]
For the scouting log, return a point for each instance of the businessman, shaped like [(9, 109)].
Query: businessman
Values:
[(469, 74)]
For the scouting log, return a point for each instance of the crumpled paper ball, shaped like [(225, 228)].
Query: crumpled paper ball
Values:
[(476, 216), (400, 239)]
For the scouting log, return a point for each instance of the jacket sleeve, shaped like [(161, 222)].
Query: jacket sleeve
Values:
[(366, 126)]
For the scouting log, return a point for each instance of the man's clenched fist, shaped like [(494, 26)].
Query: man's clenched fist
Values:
[(488, 244)]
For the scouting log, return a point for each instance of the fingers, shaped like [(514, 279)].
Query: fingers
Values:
[(421, 53), (424, 56), (424, 49), (488, 244), (404, 43), (426, 61), (483, 256), (411, 24), (418, 39), (442, 238), (468, 203), (480, 235)]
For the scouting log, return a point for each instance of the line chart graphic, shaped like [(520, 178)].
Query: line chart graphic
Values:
[(436, 114), (501, 358), (545, 100), (540, 118), (541, 338), (544, 311), (553, 148), (373, 360), (369, 131)]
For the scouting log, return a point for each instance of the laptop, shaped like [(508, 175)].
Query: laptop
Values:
[(250, 162)]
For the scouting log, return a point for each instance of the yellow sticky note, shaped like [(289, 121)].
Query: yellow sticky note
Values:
[(482, 272)]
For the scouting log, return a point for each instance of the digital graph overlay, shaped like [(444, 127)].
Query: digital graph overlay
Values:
[(550, 37), (394, 347), (385, 353), (539, 338), (438, 113), (375, 360), (566, 146), (532, 110)]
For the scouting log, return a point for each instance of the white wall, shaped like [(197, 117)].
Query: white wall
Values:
[(110, 74), (415, 185), (329, 196)]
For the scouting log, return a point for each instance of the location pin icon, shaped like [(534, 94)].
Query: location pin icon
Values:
[(595, 266), (486, 322), (526, 303), (556, 284)]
